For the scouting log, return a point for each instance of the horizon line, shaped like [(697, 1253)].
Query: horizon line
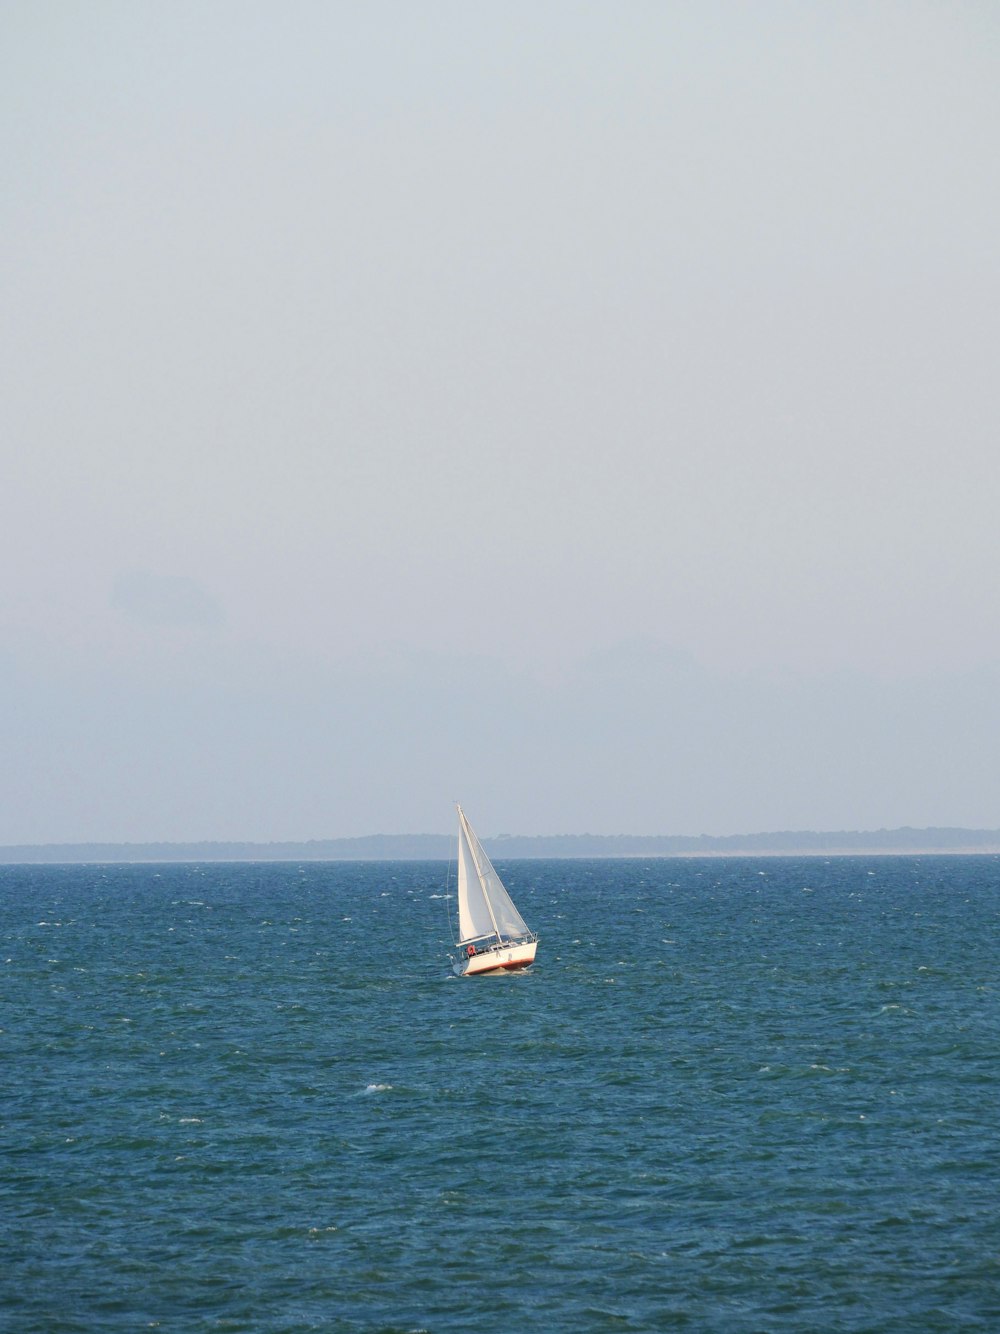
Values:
[(901, 840)]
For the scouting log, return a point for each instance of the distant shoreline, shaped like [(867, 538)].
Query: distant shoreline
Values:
[(440, 847)]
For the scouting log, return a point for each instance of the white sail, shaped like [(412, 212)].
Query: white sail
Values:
[(474, 918), (484, 906)]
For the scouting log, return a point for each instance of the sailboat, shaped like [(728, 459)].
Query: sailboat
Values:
[(493, 937)]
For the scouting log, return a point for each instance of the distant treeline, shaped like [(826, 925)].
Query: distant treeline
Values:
[(441, 847)]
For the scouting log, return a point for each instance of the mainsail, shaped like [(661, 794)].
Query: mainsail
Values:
[(484, 906)]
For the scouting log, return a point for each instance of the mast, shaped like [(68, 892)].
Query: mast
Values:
[(479, 870)]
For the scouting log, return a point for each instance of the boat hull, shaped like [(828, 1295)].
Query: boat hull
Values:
[(501, 959)]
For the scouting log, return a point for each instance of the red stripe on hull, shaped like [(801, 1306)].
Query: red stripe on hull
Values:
[(500, 968)]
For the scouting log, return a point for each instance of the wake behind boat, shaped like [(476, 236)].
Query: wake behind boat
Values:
[(493, 937)]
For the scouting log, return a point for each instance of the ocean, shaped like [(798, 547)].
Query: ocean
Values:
[(733, 1095)]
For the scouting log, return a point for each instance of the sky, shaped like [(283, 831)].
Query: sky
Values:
[(586, 411)]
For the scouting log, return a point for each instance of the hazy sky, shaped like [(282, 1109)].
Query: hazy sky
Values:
[(588, 411)]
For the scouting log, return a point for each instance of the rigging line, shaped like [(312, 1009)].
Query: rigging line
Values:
[(447, 899)]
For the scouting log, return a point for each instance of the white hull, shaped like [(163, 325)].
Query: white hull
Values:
[(500, 959)]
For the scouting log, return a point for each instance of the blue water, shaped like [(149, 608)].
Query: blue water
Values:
[(734, 1095)]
